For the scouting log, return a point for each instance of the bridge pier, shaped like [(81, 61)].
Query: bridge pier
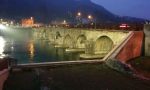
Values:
[(90, 51), (89, 47)]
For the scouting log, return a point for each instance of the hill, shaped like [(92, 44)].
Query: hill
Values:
[(47, 11)]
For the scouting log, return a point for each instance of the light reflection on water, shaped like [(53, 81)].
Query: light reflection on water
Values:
[(31, 50)]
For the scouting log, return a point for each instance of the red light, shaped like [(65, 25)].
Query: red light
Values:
[(124, 26)]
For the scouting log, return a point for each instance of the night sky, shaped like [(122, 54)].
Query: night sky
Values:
[(55, 9), (134, 8)]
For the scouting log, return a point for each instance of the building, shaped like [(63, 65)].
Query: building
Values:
[(29, 22)]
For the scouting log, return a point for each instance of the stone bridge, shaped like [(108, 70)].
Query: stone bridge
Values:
[(92, 41)]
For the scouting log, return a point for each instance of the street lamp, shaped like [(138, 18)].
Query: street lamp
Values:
[(31, 18), (79, 14), (90, 17), (64, 22), (79, 19)]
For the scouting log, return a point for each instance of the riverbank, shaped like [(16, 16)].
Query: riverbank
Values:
[(141, 66), (74, 77)]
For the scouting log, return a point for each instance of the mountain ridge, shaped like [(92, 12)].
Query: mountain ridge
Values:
[(57, 10)]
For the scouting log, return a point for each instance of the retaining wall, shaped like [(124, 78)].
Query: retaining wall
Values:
[(4, 72), (133, 48)]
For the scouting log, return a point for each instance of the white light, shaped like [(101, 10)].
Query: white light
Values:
[(7, 24), (31, 18), (2, 26), (64, 21), (79, 14), (1, 20), (11, 22), (90, 17), (2, 45)]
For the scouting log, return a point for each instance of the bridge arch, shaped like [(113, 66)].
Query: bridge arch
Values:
[(68, 41), (80, 43), (103, 45), (58, 35)]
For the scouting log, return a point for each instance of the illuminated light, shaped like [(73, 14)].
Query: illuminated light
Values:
[(79, 13), (1, 20), (11, 22), (2, 45), (12, 48), (31, 49), (64, 21), (124, 26), (28, 22), (90, 17), (2, 26), (31, 18), (7, 24)]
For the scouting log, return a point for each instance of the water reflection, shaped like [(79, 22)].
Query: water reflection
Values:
[(31, 50), (2, 45)]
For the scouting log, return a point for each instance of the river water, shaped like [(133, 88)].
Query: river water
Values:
[(19, 44)]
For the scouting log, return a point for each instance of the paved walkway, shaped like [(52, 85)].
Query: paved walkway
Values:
[(74, 77)]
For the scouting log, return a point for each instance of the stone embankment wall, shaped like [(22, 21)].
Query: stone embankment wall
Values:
[(132, 49), (4, 72)]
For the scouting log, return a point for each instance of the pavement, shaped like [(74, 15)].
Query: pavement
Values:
[(74, 77)]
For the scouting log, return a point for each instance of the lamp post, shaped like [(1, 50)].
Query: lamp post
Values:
[(90, 17), (64, 22), (31, 18), (95, 23), (79, 14)]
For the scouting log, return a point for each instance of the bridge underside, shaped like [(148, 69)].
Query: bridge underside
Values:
[(103, 45)]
